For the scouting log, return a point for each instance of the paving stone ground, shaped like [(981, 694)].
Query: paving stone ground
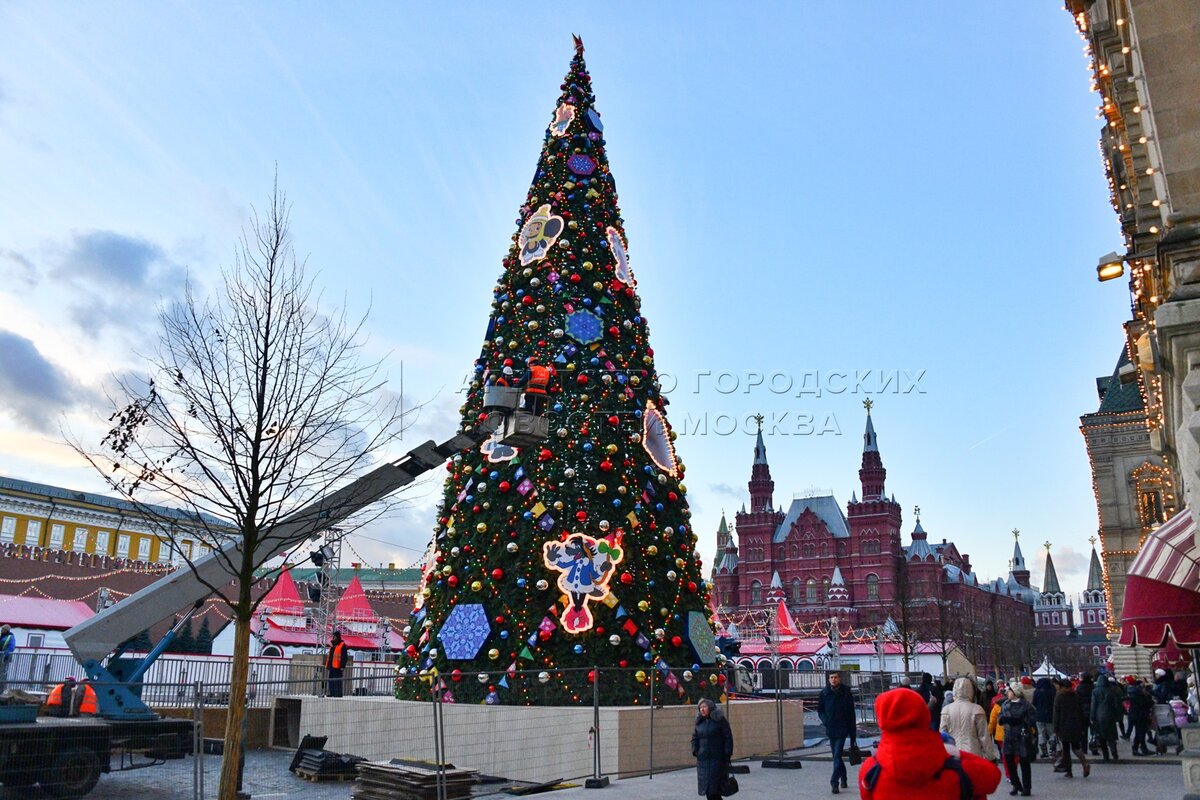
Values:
[(267, 777)]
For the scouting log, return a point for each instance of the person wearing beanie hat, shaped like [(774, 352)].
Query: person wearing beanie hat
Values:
[(1162, 686), (911, 760), (1020, 738)]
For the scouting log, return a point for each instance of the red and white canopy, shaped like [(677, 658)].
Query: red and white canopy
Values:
[(1162, 587)]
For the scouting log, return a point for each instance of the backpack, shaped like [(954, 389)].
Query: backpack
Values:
[(966, 789)]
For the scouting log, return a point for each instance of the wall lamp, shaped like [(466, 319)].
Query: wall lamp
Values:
[(1111, 265)]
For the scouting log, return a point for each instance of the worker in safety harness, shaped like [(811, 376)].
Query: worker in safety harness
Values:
[(536, 382), (70, 699), (335, 663)]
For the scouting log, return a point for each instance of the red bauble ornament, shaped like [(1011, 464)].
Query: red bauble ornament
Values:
[(606, 465), (622, 663), (545, 455), (670, 495), (692, 587), (581, 516), (452, 580), (505, 486), (575, 277), (456, 675), (626, 578), (591, 676), (581, 380), (676, 641), (411, 651), (499, 619), (614, 331), (544, 635), (497, 574), (614, 420), (721, 679)]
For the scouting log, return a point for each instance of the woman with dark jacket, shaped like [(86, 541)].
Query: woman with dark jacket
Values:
[(712, 745), (1070, 726), (1141, 706), (1020, 738)]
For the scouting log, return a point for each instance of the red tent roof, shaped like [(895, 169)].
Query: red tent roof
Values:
[(354, 605), (42, 612), (786, 627), (284, 598), (1161, 601)]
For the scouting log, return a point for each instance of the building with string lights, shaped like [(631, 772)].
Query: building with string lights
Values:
[(1134, 491), (849, 570)]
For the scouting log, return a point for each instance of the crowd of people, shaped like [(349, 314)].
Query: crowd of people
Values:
[(961, 739)]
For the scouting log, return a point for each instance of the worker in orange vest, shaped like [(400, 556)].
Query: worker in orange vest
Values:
[(70, 699), (536, 381), (335, 663)]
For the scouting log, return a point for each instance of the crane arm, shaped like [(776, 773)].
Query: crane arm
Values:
[(95, 638)]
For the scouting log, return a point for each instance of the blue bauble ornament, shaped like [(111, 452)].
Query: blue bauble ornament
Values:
[(504, 634), (520, 583), (578, 649)]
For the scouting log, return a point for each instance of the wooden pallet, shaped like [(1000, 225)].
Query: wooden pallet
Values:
[(330, 777)]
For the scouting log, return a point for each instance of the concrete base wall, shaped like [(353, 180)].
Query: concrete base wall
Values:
[(535, 743)]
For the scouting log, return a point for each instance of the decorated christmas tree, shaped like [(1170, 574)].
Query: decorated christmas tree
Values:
[(576, 552)]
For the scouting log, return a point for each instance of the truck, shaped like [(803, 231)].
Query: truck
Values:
[(67, 756)]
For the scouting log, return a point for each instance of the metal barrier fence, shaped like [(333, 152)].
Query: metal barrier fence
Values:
[(170, 681), (178, 758)]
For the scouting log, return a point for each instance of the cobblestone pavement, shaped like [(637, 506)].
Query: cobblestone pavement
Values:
[(267, 776)]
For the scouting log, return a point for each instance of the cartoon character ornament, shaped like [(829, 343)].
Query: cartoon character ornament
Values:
[(585, 566), (538, 235), (621, 259), (564, 115)]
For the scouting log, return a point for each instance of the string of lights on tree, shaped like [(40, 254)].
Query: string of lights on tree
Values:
[(549, 560)]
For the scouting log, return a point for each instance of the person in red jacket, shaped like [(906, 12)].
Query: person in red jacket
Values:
[(911, 761)]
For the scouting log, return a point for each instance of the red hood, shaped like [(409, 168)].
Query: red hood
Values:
[(912, 755)]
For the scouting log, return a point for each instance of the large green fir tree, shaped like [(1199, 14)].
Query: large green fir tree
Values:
[(576, 552)]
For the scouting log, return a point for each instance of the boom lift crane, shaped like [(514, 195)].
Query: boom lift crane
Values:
[(50, 751)]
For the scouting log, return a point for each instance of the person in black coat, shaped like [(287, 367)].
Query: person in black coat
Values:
[(1084, 690), (712, 745), (1141, 706), (835, 707), (1020, 738), (1070, 726)]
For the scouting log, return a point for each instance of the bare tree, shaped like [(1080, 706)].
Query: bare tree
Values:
[(256, 405), (905, 617)]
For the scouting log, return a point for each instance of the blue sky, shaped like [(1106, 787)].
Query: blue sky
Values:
[(912, 188)]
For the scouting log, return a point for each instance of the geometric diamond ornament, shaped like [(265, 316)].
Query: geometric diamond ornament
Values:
[(700, 637), (465, 631)]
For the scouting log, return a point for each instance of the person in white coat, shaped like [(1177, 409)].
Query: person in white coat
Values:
[(965, 721)]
